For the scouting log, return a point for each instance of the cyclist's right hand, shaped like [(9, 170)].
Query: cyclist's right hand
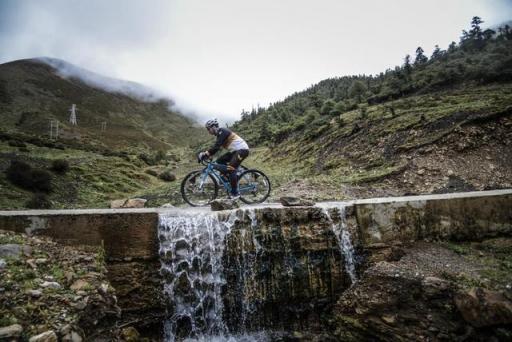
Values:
[(201, 156)]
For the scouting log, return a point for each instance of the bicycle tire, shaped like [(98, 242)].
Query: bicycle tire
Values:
[(187, 198), (246, 177)]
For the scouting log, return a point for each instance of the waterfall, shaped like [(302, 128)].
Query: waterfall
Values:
[(191, 252), (344, 240)]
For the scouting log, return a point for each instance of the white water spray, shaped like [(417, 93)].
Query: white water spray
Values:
[(344, 240)]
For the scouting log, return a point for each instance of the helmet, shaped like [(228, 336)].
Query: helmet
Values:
[(212, 123)]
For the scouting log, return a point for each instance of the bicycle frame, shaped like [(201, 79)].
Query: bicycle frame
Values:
[(210, 169)]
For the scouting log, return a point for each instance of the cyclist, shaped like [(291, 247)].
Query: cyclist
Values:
[(238, 151)]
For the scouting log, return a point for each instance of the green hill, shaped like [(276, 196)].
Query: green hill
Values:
[(139, 133), (430, 125)]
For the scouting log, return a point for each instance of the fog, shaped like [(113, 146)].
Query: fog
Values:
[(215, 58)]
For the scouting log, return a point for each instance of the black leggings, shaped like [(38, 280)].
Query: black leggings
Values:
[(232, 160)]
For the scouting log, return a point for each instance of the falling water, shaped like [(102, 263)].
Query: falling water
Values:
[(344, 241), (191, 252)]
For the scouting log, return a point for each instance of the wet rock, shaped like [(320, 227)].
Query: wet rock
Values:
[(289, 201), (130, 334), (48, 336), (481, 307), (15, 251), (128, 203), (223, 204), (10, 332)]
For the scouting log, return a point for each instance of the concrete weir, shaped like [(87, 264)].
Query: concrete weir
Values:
[(131, 242)]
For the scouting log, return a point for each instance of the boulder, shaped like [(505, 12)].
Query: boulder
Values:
[(14, 250), (128, 203), (48, 336), (223, 204), (10, 332), (289, 201), (483, 308)]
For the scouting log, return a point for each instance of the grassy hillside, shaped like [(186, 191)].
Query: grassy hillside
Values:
[(141, 140), (432, 125)]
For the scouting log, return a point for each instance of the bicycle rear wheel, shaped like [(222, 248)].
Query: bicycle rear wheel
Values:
[(254, 187), (198, 190)]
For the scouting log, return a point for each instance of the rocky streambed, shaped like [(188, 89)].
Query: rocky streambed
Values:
[(50, 292)]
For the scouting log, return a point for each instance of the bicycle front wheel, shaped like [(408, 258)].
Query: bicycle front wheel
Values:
[(198, 189), (254, 187)]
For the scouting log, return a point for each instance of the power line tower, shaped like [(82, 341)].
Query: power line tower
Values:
[(54, 129), (72, 117), (104, 126)]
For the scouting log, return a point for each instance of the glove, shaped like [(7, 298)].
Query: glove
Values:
[(201, 156)]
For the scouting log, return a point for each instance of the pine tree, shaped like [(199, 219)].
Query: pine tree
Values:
[(420, 57)]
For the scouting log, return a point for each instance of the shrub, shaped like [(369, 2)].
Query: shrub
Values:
[(21, 174), (16, 143), (60, 166), (167, 176), (152, 172), (39, 201), (146, 158), (41, 180)]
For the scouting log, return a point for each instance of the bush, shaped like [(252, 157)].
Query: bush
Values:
[(21, 174), (152, 172), (16, 143), (39, 201), (167, 176), (60, 166), (146, 158), (41, 180)]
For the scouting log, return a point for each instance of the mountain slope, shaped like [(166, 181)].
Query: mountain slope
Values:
[(142, 139), (33, 92), (436, 125)]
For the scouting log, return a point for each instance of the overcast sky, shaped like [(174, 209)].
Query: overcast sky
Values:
[(218, 57)]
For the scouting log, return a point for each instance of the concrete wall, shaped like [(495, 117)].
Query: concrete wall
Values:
[(131, 241)]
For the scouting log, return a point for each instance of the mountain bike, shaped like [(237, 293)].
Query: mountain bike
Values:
[(200, 187)]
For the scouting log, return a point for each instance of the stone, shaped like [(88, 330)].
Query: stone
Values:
[(167, 205), (128, 203), (388, 319), (35, 293), (289, 201), (79, 285), (11, 331), (51, 285), (48, 336), (3, 264), (75, 337), (15, 251), (223, 204), (41, 261), (482, 308), (130, 334)]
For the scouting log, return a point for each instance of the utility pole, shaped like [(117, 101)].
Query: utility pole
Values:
[(54, 124), (72, 117)]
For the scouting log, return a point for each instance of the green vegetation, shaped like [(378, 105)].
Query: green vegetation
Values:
[(478, 59)]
